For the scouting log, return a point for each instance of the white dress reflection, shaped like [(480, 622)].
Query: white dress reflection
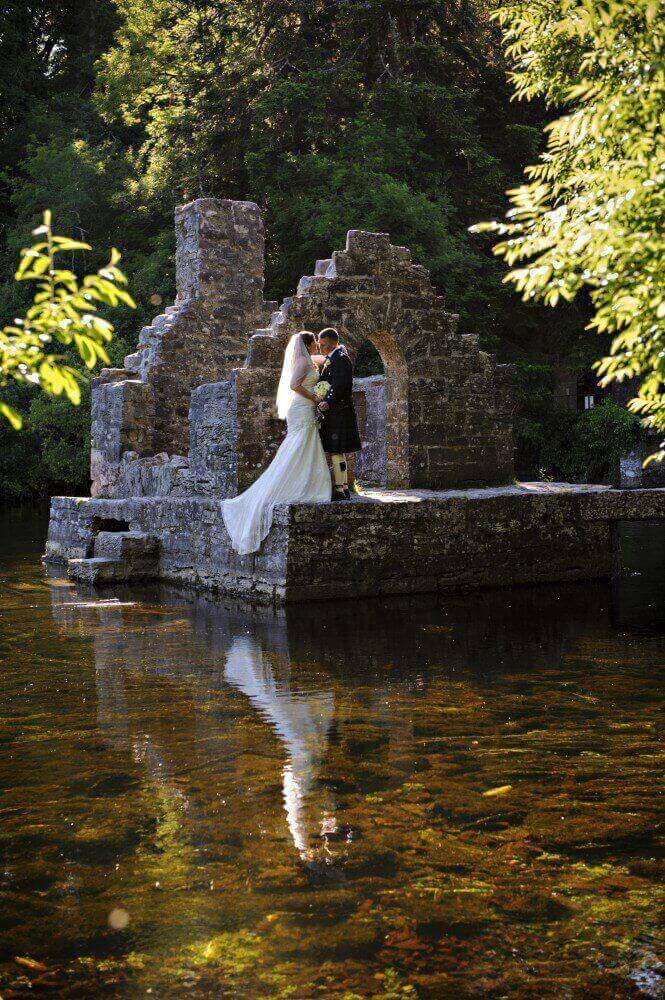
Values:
[(302, 721), (255, 663)]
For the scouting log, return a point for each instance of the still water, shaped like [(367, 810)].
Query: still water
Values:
[(438, 799)]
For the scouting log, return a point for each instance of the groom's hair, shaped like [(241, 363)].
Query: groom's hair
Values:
[(330, 333)]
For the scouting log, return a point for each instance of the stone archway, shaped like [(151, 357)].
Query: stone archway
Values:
[(448, 424), (448, 421)]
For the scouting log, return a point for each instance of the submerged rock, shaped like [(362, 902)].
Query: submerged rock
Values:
[(533, 906), (438, 911), (589, 827)]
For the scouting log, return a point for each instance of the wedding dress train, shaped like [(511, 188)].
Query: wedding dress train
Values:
[(297, 474)]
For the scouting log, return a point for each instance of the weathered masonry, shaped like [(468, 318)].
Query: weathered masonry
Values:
[(389, 542), (190, 419), (192, 412)]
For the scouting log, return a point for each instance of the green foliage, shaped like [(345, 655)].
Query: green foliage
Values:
[(601, 436), (358, 113), (331, 116), (50, 454), (65, 312), (591, 215), (553, 441)]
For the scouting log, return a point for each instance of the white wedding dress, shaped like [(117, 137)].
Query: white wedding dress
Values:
[(297, 474)]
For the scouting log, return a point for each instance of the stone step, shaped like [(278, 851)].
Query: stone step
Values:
[(162, 321), (119, 556), (305, 284), (95, 572), (265, 350), (115, 375), (133, 362), (126, 545), (322, 266)]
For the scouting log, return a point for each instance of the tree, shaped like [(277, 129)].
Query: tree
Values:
[(378, 114), (64, 311), (591, 215)]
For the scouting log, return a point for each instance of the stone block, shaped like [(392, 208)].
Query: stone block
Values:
[(213, 453)]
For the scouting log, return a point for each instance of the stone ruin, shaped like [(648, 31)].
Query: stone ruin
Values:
[(192, 412), (191, 419)]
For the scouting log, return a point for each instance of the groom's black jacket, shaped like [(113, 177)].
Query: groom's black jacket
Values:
[(338, 371), (339, 428)]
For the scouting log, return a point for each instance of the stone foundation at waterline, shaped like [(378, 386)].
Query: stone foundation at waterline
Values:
[(399, 542)]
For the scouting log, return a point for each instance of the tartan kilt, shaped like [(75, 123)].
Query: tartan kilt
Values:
[(339, 429)]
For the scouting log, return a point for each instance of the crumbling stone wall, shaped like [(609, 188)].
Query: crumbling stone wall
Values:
[(201, 338), (447, 417)]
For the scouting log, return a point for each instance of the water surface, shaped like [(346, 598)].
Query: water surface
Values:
[(454, 798)]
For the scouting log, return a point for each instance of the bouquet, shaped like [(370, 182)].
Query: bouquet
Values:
[(321, 390)]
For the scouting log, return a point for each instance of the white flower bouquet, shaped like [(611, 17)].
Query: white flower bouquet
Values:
[(321, 389)]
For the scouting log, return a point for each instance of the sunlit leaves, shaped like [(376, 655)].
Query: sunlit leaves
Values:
[(592, 213), (64, 312)]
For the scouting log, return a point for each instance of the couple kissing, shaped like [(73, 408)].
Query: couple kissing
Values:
[(315, 398)]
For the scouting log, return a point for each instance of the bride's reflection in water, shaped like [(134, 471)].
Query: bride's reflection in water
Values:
[(226, 648), (314, 677), (302, 721)]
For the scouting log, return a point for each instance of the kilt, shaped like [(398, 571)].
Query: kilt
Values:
[(339, 428)]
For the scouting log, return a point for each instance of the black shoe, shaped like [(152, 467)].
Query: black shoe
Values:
[(347, 495), (339, 495)]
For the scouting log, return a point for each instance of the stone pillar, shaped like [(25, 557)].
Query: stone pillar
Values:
[(122, 421), (219, 257), (213, 448), (371, 395), (219, 280)]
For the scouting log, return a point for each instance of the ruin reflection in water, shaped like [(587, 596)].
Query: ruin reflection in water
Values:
[(296, 804)]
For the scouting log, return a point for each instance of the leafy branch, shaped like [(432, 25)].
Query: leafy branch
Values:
[(591, 215), (65, 312)]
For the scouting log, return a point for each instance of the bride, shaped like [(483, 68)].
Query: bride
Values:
[(299, 472)]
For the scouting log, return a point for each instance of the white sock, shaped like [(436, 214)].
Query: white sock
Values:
[(340, 476)]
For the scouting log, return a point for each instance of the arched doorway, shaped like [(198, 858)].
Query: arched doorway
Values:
[(381, 396), (447, 423)]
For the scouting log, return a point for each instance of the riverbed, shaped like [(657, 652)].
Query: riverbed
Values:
[(433, 798)]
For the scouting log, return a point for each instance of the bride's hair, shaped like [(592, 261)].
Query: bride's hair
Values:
[(296, 358)]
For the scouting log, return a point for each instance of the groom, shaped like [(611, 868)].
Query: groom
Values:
[(339, 427)]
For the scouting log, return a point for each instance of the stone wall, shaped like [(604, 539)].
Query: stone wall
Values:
[(388, 543), (448, 418), (123, 420), (201, 338), (192, 542)]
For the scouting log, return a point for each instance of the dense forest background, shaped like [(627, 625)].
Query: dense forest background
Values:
[(331, 114)]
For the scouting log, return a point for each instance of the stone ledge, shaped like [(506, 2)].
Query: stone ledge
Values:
[(382, 542)]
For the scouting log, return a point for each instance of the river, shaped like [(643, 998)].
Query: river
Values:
[(437, 798)]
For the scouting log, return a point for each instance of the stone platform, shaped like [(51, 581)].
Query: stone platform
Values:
[(381, 542)]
